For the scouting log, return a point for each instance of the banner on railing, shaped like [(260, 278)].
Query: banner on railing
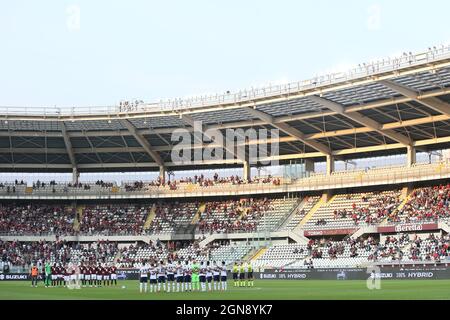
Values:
[(330, 232), (408, 227)]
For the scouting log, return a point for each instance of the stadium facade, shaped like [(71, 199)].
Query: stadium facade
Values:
[(371, 215)]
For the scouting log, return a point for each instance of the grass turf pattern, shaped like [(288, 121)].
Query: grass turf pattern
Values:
[(263, 290)]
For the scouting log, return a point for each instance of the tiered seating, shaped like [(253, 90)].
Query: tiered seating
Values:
[(36, 219), (226, 216), (114, 219), (193, 251), (280, 255), (425, 204), (134, 255), (170, 215), (354, 209), (24, 254), (302, 211), (230, 253), (244, 215), (271, 218)]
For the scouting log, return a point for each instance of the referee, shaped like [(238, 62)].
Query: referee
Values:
[(249, 275), (235, 274), (242, 275)]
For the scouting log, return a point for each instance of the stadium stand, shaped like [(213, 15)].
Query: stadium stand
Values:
[(356, 209), (305, 218)]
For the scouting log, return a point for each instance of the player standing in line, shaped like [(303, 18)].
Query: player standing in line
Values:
[(195, 268), (187, 277), (223, 277), (87, 275), (59, 275), (54, 275), (42, 268), (113, 270), (161, 276), (179, 276), (242, 275), (93, 282), (170, 276), (99, 275), (143, 276), (235, 274), (34, 275), (83, 274), (209, 275), (216, 275), (202, 276), (106, 275), (249, 274), (66, 273), (48, 274), (153, 278), (73, 275)]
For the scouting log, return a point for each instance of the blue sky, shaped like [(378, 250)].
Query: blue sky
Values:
[(151, 50)]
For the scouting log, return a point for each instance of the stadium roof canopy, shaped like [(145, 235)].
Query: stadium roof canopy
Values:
[(378, 108)]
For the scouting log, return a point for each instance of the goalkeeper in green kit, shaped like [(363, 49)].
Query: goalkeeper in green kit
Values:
[(48, 274), (195, 276)]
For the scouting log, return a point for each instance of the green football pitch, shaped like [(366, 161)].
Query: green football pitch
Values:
[(263, 290)]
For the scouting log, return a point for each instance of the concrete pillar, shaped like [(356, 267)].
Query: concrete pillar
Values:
[(162, 173), (410, 156), (246, 171), (330, 164), (75, 175)]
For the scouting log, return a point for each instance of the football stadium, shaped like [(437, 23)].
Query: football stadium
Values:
[(306, 233), (333, 187)]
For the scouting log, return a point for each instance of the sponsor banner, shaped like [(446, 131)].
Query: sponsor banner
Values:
[(397, 273), (15, 276), (330, 232), (408, 227), (386, 272)]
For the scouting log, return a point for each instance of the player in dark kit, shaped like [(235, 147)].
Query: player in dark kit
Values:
[(98, 271), (83, 274), (105, 276), (54, 275), (58, 275)]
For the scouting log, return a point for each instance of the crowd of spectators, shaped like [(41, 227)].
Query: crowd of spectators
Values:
[(36, 219), (113, 219), (425, 204), (24, 254), (370, 210), (172, 214), (234, 215)]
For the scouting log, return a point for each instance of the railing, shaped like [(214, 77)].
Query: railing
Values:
[(374, 177), (364, 70)]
